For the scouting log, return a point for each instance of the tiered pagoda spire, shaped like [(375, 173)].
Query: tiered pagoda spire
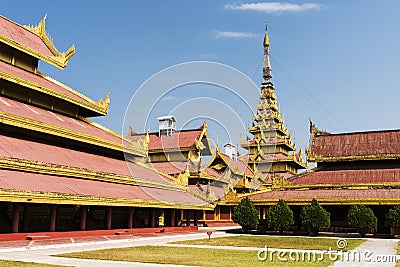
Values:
[(271, 151)]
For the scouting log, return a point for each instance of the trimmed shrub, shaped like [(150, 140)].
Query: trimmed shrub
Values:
[(315, 217), (280, 216), (392, 218), (362, 218), (246, 215)]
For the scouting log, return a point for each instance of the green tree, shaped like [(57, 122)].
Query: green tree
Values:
[(245, 214), (362, 218), (392, 218), (280, 216), (315, 217)]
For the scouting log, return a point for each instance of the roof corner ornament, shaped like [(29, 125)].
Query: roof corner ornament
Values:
[(104, 103), (59, 59)]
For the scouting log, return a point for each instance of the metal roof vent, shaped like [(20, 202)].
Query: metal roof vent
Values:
[(166, 125), (230, 150)]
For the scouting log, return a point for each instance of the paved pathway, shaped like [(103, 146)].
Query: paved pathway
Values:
[(374, 252), (43, 254)]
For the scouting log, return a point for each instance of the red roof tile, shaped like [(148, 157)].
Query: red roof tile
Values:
[(169, 167), (212, 172), (349, 177), (328, 194), (38, 80), (23, 37), (38, 114), (238, 165), (46, 183), (178, 139), (22, 149), (357, 144), (218, 191)]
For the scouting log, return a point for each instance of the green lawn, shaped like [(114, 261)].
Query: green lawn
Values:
[(398, 252), (24, 264), (194, 256), (275, 242)]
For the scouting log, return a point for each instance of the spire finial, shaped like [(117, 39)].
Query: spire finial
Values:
[(267, 71)]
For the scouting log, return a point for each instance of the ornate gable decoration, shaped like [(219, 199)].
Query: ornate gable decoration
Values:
[(59, 59)]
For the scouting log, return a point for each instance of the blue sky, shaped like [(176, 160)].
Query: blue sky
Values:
[(336, 62)]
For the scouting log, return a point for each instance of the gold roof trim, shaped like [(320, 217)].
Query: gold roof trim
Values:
[(62, 198), (136, 148), (81, 173), (90, 105), (58, 59), (313, 158)]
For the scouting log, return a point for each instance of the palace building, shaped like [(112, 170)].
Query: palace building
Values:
[(59, 171), (351, 168)]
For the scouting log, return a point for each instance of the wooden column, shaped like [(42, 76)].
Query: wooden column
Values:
[(130, 217), (25, 218), (195, 218), (261, 212), (15, 217), (83, 218), (153, 218), (53, 218), (109, 218), (188, 218), (172, 217)]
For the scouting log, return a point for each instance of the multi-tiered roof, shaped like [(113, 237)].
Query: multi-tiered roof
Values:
[(271, 150), (50, 152)]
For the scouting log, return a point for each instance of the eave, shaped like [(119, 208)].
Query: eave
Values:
[(97, 108), (57, 59), (320, 158), (72, 199), (21, 122)]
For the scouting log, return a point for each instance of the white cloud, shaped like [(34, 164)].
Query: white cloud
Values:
[(219, 34), (274, 7)]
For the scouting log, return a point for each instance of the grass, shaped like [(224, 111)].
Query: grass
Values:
[(398, 252), (5, 263), (275, 242), (193, 256)]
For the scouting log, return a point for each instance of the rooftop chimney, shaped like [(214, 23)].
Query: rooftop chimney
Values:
[(230, 150), (166, 125)]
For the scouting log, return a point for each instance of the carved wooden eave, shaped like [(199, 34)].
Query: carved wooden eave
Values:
[(58, 59), (100, 108)]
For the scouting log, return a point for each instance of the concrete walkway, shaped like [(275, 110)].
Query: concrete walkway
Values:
[(368, 254), (44, 254), (374, 252)]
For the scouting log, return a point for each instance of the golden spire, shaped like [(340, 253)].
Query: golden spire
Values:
[(267, 71)]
